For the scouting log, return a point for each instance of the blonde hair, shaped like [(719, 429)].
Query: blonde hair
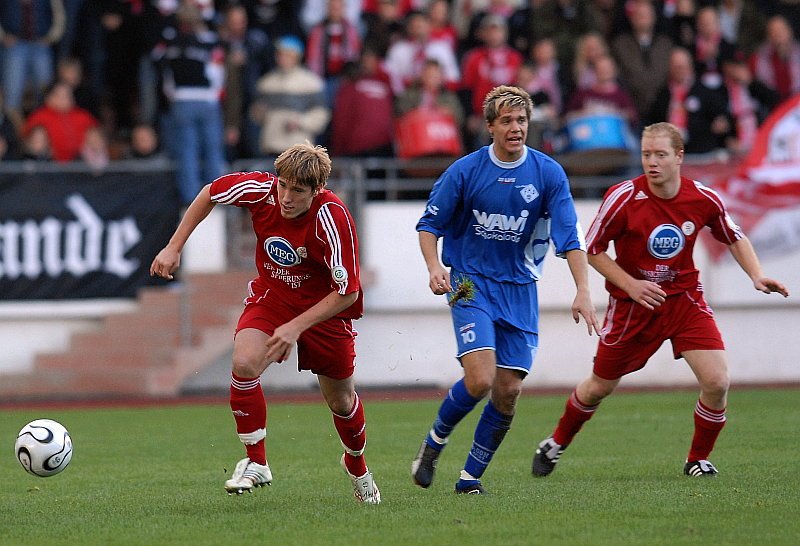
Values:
[(506, 96), (665, 129), (304, 164)]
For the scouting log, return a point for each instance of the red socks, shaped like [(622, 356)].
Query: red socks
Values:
[(250, 412), (353, 434), (575, 415), (707, 425)]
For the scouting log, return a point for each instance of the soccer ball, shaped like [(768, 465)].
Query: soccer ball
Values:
[(43, 447)]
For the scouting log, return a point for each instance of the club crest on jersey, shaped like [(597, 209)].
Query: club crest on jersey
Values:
[(281, 252), (528, 192), (339, 273), (666, 241)]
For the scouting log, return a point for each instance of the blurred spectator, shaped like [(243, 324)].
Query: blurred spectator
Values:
[(314, 12), (65, 47), (124, 25), (749, 102), (363, 117), (332, 43), (545, 115), (191, 60), (383, 27), (246, 60), (642, 55), (671, 101), (66, 124), (275, 18), (428, 119), (709, 46), (463, 11), (681, 26), (441, 28), (591, 47), (488, 65), (290, 107), (565, 21), (789, 10), (143, 143), (553, 78), (70, 70), (776, 62), (94, 149), (36, 144), (429, 91), (28, 30), (405, 58), (605, 96), (742, 23), (498, 8), (10, 144), (606, 13)]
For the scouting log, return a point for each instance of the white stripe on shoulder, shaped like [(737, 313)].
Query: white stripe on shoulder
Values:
[(259, 189), (610, 207)]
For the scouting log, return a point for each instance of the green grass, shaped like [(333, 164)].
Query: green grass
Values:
[(154, 476)]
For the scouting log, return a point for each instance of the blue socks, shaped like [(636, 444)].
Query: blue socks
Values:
[(456, 405), (492, 428)]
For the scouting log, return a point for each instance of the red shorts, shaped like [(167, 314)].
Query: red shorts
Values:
[(632, 334), (327, 348)]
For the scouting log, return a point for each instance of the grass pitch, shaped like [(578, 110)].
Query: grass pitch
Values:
[(154, 476)]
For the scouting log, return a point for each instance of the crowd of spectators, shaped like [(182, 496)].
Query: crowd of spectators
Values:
[(207, 82)]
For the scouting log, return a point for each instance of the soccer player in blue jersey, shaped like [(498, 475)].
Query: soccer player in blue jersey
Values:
[(497, 209)]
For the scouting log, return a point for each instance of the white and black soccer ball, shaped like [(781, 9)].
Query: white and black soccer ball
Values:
[(43, 447)]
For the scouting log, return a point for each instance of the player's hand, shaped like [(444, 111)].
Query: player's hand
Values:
[(768, 286), (165, 263), (440, 281), (582, 306), (646, 293), (279, 346)]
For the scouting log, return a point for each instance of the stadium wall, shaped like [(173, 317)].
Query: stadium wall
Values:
[(405, 338)]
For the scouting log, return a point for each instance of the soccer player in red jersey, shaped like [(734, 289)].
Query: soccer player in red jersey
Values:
[(655, 293), (307, 293)]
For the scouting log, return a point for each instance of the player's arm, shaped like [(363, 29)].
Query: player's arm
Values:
[(646, 293), (169, 258), (279, 346), (439, 277), (744, 254), (582, 304)]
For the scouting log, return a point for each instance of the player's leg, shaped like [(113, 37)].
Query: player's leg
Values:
[(348, 418), (475, 337), (579, 408), (249, 409), (491, 429), (711, 369)]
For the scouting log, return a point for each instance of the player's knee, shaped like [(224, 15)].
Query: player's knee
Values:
[(246, 366), (478, 386), (716, 386)]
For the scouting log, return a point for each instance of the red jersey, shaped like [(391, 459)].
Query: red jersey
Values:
[(299, 260), (653, 237)]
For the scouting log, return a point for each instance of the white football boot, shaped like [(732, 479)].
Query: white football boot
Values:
[(248, 475), (364, 488)]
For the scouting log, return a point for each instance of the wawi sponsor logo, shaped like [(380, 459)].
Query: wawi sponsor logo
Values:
[(500, 227)]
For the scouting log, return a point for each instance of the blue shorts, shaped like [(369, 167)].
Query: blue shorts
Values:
[(502, 317)]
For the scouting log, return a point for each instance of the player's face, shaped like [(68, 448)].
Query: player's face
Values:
[(295, 199), (509, 131), (660, 162)]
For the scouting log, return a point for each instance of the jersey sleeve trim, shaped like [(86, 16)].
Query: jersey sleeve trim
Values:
[(609, 209), (725, 224), (247, 190), (333, 238)]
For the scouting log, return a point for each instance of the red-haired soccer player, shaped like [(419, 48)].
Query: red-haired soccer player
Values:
[(655, 294)]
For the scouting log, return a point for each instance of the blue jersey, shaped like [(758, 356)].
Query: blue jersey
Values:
[(497, 218)]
